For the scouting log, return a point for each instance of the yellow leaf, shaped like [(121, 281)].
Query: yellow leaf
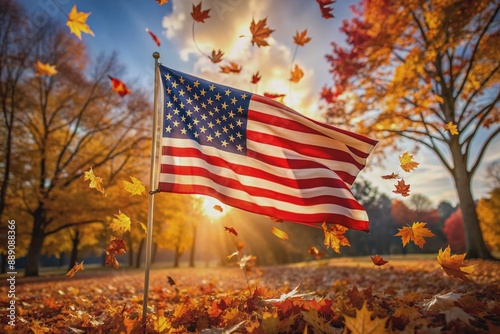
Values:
[(452, 128), (453, 265), (121, 223), (363, 323), (76, 23), (77, 267), (407, 163), (334, 237), (45, 69), (95, 181), (280, 233), (416, 233), (135, 187)]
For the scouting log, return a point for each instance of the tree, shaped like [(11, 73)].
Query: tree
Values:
[(488, 211), (454, 231), (412, 69)]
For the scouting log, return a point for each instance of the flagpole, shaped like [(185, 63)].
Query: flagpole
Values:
[(152, 187)]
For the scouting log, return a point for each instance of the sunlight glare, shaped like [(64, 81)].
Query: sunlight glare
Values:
[(213, 208)]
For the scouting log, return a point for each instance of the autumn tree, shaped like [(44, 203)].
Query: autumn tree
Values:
[(427, 72), (488, 211), (454, 231)]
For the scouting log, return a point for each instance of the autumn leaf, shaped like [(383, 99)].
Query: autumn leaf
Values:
[(301, 38), (77, 267), (116, 247), (198, 14), (153, 36), (454, 265), (231, 230), (402, 188), (326, 11), (315, 253), (280, 233), (390, 176), (161, 2), (121, 223), (446, 304), (378, 260), (135, 187), (292, 294), (452, 128), (216, 56), (415, 233), (44, 69), (76, 23), (95, 181), (260, 32), (231, 68), (363, 323), (256, 77), (296, 74), (217, 207), (334, 237), (275, 96), (170, 281), (407, 163), (118, 86)]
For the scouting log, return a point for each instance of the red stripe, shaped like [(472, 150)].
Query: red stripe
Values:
[(312, 218)]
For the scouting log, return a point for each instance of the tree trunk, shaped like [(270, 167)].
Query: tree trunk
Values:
[(177, 255), (475, 245), (74, 249), (36, 243), (191, 254), (139, 254)]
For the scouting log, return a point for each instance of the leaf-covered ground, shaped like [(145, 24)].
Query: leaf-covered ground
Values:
[(404, 296)]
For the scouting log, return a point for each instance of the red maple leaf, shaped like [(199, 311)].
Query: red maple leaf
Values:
[(231, 230)]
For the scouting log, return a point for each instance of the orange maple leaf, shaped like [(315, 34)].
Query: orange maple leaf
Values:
[(453, 265), (402, 188), (301, 38), (256, 77), (44, 69), (315, 252), (407, 163), (216, 56), (326, 11), (390, 176), (296, 74), (334, 236), (135, 187), (77, 23), (260, 32), (378, 260), (77, 267), (118, 86), (231, 230), (153, 36), (198, 14), (280, 233), (95, 181), (363, 322), (162, 2), (231, 68), (452, 128), (415, 233)]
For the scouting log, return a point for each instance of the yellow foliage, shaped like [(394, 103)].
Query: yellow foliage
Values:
[(488, 212), (77, 22)]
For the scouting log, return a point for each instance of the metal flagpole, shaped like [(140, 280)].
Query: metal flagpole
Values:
[(152, 186)]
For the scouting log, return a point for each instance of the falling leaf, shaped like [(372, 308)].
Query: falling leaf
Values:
[(119, 87), (218, 208), (315, 253), (161, 2), (231, 68), (198, 14), (116, 247), (296, 74), (247, 261), (231, 230), (301, 38), (135, 187), (155, 38), (44, 69), (76, 23), (121, 223), (326, 11), (452, 128), (77, 267), (390, 176), (275, 96), (334, 237), (216, 56), (402, 188), (170, 280), (233, 254), (407, 163), (95, 181), (415, 233), (363, 323), (255, 77), (260, 32), (280, 233), (378, 260), (454, 265)]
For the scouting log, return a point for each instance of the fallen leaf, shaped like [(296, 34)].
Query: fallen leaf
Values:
[(77, 22), (407, 163), (77, 267), (415, 233), (256, 77), (216, 56), (292, 294), (135, 187), (153, 36), (231, 68), (44, 69), (198, 14), (296, 74), (446, 304), (454, 265), (231, 230), (452, 128), (260, 32), (280, 233), (390, 176), (334, 236), (301, 38), (378, 260), (363, 323), (402, 188), (315, 253), (326, 11), (118, 86)]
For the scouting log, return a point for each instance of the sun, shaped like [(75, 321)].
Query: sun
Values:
[(213, 208)]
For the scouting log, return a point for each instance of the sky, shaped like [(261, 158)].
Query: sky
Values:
[(119, 26)]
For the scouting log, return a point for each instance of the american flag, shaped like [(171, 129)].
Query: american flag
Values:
[(253, 153)]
